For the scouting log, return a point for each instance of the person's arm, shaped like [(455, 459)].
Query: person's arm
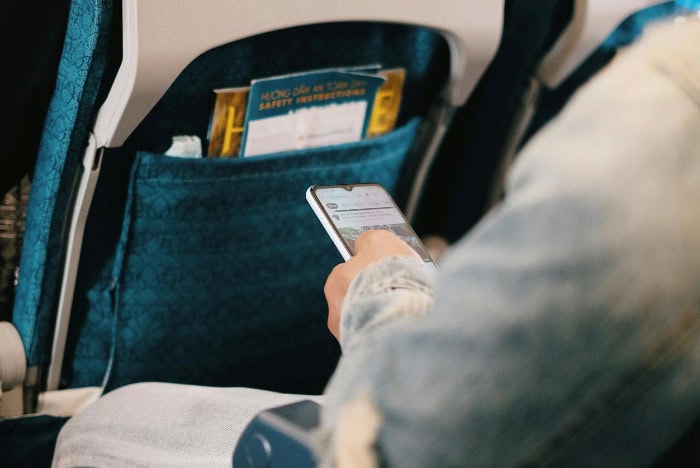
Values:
[(383, 285), (565, 327)]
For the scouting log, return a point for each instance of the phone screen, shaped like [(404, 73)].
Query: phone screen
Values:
[(352, 209)]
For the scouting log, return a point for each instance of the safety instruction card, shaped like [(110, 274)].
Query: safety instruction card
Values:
[(305, 110)]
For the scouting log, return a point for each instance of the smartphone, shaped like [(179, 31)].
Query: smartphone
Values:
[(347, 210)]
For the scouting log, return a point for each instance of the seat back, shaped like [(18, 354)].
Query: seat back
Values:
[(209, 271), (549, 48)]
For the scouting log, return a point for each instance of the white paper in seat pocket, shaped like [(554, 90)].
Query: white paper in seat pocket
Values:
[(307, 128)]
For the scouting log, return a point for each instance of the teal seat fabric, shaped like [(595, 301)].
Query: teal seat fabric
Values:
[(219, 270), (29, 441), (204, 271), (70, 113)]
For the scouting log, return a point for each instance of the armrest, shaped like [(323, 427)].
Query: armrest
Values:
[(13, 370), (13, 362), (279, 437)]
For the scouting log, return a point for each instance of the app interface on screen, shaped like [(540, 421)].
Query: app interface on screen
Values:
[(365, 208)]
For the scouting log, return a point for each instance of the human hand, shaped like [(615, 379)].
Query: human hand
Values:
[(370, 246)]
